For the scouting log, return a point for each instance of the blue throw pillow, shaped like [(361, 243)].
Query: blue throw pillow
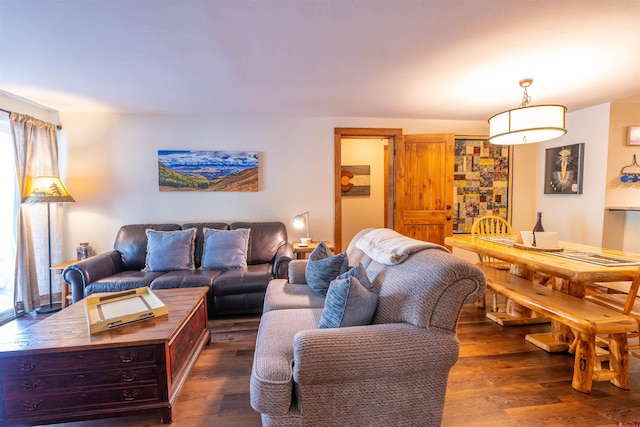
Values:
[(323, 266), (351, 300), (225, 249), (170, 250)]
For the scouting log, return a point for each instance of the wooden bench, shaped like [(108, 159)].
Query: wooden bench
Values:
[(586, 321)]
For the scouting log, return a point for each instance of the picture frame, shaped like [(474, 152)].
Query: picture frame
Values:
[(633, 135), (564, 169), (483, 181)]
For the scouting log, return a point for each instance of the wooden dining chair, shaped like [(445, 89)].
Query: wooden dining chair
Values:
[(491, 226), (627, 304)]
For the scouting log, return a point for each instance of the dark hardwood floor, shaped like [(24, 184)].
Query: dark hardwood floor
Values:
[(499, 380)]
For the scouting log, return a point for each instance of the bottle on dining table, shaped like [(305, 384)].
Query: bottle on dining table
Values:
[(538, 227)]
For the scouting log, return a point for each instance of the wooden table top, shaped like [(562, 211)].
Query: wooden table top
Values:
[(553, 263), (68, 329)]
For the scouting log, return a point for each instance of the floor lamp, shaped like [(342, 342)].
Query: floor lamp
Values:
[(48, 189)]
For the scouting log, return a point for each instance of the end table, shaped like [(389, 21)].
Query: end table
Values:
[(67, 298), (301, 251)]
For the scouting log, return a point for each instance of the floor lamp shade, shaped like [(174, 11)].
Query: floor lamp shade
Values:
[(48, 189)]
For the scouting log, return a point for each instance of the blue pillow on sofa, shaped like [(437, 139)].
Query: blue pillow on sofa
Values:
[(351, 300), (323, 266), (170, 250), (225, 249)]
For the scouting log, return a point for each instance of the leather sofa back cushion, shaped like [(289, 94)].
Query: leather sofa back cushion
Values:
[(264, 240), (200, 226), (131, 242)]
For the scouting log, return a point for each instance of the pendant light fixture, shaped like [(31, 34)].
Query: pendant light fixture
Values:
[(527, 123)]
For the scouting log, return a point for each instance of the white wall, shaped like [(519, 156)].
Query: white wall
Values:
[(113, 169), (578, 217), (622, 227)]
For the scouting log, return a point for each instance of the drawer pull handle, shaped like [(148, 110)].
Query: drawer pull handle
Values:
[(127, 358), (32, 405), (129, 376), (130, 395), (27, 366), (30, 384)]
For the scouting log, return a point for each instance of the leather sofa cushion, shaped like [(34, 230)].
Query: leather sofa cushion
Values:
[(255, 278), (264, 240), (131, 242), (185, 279), (122, 281)]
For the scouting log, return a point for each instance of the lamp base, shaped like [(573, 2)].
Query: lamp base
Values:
[(49, 308), (305, 240)]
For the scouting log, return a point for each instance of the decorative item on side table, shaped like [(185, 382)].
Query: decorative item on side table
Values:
[(300, 221), (48, 189)]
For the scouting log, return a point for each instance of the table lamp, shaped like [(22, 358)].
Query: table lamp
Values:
[(300, 221), (48, 189)]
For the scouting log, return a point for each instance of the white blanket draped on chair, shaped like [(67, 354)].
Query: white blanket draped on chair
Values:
[(389, 247)]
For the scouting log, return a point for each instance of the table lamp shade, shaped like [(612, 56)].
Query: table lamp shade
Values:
[(48, 189)]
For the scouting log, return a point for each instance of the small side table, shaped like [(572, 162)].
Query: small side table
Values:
[(301, 252), (67, 298)]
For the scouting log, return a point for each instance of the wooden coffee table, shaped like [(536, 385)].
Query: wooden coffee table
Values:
[(55, 371)]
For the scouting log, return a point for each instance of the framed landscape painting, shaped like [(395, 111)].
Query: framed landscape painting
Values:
[(190, 170), (563, 169)]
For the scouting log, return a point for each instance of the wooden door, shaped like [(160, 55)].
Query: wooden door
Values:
[(424, 186)]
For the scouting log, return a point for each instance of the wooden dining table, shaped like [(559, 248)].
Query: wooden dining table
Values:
[(570, 269)]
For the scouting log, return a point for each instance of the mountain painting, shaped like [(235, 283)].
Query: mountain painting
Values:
[(185, 170)]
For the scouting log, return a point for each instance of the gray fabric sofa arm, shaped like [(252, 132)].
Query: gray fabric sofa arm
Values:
[(284, 255), (297, 269), (323, 356), (89, 270)]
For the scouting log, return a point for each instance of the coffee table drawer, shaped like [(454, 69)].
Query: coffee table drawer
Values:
[(62, 402), (65, 381), (66, 362)]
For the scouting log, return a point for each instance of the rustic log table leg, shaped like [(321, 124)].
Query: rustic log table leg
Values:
[(619, 360)]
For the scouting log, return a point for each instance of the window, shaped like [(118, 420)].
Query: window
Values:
[(9, 203)]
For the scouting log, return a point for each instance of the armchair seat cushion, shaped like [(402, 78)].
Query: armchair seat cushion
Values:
[(283, 295), (272, 376)]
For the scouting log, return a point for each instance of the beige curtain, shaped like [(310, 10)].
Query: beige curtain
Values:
[(36, 153)]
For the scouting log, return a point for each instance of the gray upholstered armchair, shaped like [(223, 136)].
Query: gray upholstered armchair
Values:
[(391, 372)]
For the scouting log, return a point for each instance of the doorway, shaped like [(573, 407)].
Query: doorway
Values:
[(381, 142)]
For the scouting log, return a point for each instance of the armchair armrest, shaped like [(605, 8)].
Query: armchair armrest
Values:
[(297, 270), (89, 270), (396, 349), (284, 255)]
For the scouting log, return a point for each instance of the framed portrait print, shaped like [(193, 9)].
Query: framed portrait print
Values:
[(563, 169)]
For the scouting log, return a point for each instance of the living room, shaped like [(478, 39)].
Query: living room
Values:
[(108, 152)]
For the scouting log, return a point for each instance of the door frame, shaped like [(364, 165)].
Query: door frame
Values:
[(393, 135)]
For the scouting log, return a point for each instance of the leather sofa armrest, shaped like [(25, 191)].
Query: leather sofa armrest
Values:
[(284, 255), (89, 270), (297, 271)]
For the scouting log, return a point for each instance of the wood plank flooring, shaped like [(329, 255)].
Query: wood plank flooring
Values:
[(499, 380)]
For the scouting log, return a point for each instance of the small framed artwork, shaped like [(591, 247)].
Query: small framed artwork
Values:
[(563, 171), (633, 135)]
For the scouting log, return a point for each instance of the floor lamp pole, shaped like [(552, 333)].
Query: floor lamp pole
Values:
[(51, 307)]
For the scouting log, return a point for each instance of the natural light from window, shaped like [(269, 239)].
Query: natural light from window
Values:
[(8, 193)]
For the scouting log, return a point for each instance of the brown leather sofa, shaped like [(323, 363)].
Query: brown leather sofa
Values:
[(232, 291)]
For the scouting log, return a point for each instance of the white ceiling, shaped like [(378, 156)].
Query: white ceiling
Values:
[(431, 59)]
